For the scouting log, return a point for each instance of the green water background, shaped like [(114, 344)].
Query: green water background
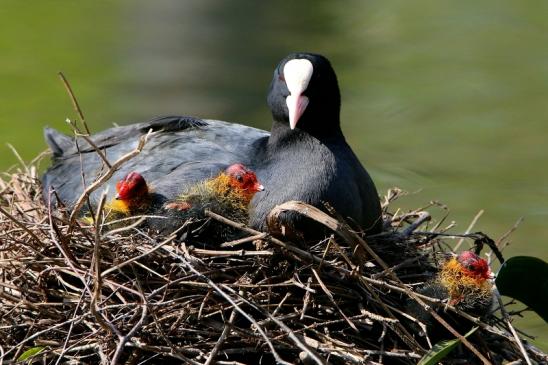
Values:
[(445, 99)]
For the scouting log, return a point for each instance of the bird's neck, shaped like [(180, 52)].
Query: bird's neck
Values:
[(281, 133), (128, 207)]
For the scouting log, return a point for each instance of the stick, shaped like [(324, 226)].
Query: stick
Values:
[(100, 181), (22, 226), (317, 214), (75, 128), (224, 334), (512, 330), (243, 240), (472, 224), (94, 310), (352, 238), (74, 101)]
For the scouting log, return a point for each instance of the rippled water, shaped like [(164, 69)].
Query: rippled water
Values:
[(445, 99)]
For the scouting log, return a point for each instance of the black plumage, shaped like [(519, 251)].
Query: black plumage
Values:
[(180, 152), (312, 162)]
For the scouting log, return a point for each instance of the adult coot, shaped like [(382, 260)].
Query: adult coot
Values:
[(305, 157)]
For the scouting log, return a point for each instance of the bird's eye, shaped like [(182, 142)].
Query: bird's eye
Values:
[(239, 178)]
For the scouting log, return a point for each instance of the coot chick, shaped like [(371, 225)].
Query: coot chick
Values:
[(305, 157), (133, 197), (464, 282), (227, 194)]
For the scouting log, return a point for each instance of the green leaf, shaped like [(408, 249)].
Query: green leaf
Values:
[(525, 278), (441, 350), (33, 351)]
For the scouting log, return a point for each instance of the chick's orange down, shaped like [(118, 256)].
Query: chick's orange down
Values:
[(466, 280), (463, 282), (227, 194)]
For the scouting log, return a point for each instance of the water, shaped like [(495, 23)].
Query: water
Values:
[(444, 99)]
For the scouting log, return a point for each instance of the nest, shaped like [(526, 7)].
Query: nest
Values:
[(96, 294)]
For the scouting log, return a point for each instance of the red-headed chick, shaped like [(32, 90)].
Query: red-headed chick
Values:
[(231, 191), (466, 279), (243, 181), (227, 194), (463, 282), (132, 195)]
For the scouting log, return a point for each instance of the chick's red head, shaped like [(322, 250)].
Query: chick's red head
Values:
[(133, 186), (243, 178), (474, 265)]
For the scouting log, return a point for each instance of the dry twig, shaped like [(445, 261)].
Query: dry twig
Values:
[(93, 293)]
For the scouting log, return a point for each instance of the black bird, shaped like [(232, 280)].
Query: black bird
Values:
[(305, 157)]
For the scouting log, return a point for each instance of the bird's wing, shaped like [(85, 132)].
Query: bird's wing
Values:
[(180, 151)]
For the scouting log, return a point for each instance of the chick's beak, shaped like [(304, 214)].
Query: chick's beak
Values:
[(122, 191), (258, 187), (119, 186)]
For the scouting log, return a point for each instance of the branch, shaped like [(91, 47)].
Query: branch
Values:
[(342, 230), (74, 101), (100, 181)]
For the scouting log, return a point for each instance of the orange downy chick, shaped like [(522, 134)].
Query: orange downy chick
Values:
[(466, 278), (227, 194), (462, 282), (232, 190)]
